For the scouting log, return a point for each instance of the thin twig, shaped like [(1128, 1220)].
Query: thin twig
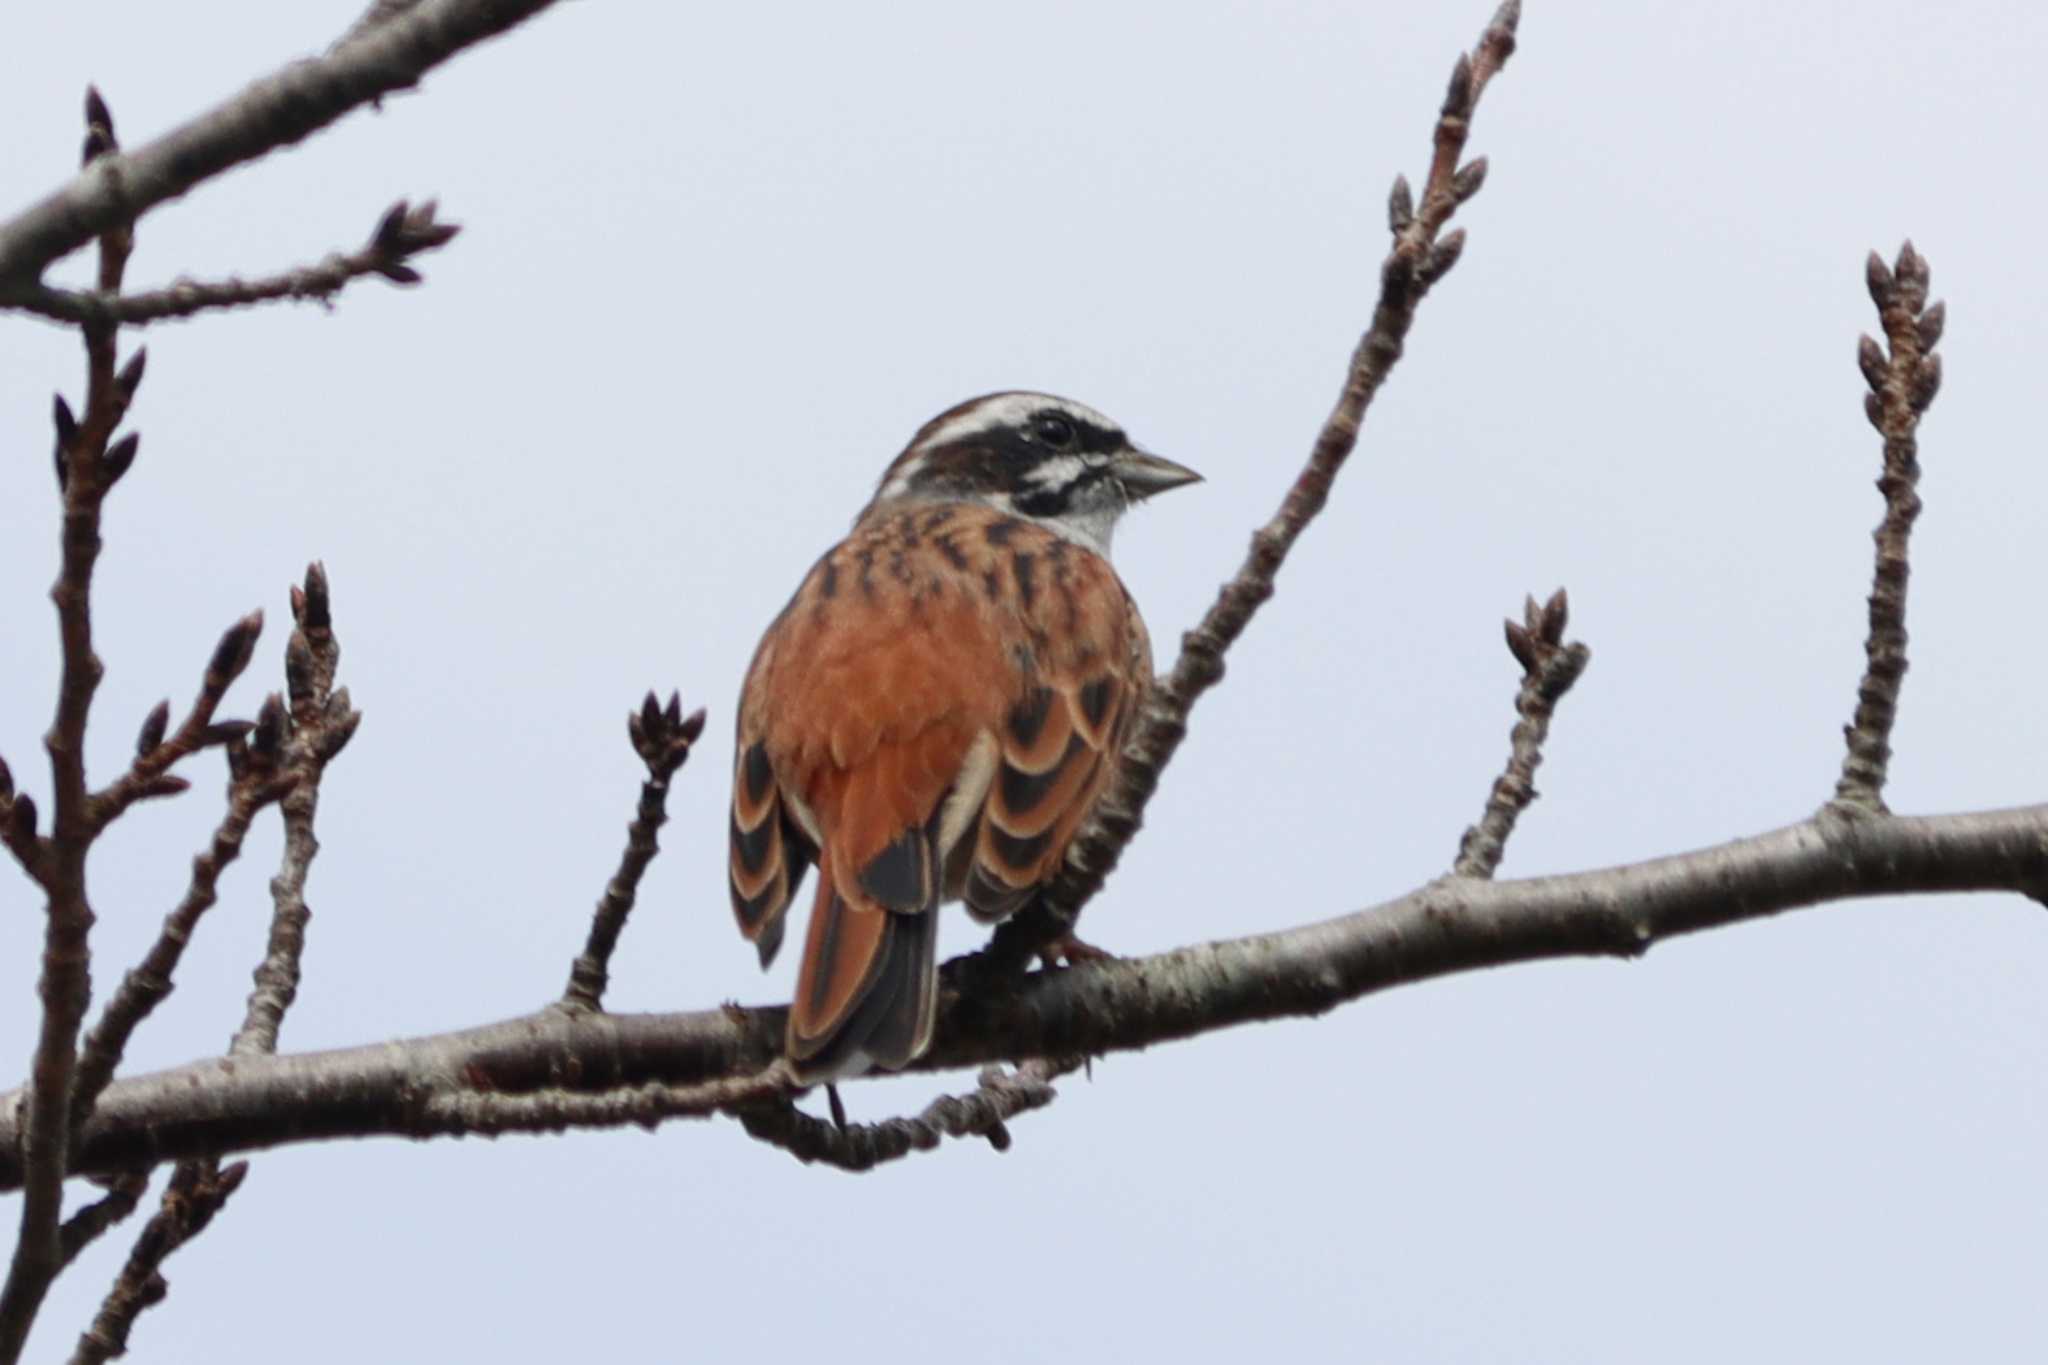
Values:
[(662, 736), (420, 1086), (1000, 1095), (1549, 668), (1417, 260), (150, 982), (89, 463), (404, 231), (281, 759), (1902, 384), (307, 736), (198, 1190), (86, 1226), (156, 753)]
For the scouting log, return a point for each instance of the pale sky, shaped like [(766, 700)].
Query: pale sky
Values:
[(718, 263)]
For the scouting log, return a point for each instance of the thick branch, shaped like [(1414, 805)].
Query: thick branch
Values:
[(421, 1087), (280, 109)]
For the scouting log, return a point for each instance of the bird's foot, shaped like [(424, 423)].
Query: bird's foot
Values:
[(1070, 949)]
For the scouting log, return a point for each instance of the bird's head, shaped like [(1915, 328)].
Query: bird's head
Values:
[(1031, 455)]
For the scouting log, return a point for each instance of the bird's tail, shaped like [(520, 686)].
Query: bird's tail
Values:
[(868, 988)]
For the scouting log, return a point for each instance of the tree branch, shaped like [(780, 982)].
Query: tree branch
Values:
[(404, 231), (283, 758), (1417, 260), (421, 1087), (86, 1226), (89, 463), (149, 982), (998, 1096), (197, 1192), (1549, 668), (1901, 387), (662, 737), (155, 753), (306, 738), (293, 102)]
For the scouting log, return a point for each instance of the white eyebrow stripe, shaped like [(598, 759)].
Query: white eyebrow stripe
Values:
[(1008, 410)]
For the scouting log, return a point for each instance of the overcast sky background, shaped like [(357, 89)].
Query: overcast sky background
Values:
[(718, 263)]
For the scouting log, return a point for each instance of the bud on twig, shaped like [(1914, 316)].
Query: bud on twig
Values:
[(1400, 204), (234, 651), (130, 377), (99, 128), (153, 726), (120, 456), (1443, 256), (1469, 178)]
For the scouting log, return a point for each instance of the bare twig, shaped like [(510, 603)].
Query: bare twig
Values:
[(198, 1190), (293, 102), (147, 984), (662, 736), (999, 1095), (1549, 668), (404, 231), (89, 463), (305, 738), (86, 1226), (157, 753), (428, 1086), (1902, 384), (1418, 259), (281, 759)]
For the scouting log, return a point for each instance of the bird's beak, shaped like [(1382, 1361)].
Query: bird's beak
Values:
[(1142, 473)]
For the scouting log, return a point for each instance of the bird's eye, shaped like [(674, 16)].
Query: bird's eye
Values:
[(1055, 430)]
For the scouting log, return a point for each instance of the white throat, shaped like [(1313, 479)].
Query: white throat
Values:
[(1088, 527)]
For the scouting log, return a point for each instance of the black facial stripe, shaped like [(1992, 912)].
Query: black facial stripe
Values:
[(1099, 440)]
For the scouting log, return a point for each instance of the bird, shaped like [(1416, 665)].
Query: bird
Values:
[(936, 710)]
